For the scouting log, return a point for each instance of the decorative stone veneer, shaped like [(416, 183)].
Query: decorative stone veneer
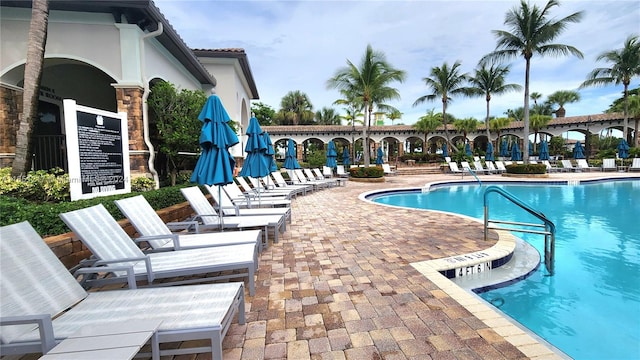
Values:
[(129, 100), (10, 113)]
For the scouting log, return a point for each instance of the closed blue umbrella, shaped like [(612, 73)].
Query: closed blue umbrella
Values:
[(379, 157), (346, 161), (504, 149), (255, 165), (623, 149), (467, 149), (578, 151), (445, 152), (290, 160), (489, 155), (544, 151), (516, 154), (332, 154), (270, 153), (215, 164)]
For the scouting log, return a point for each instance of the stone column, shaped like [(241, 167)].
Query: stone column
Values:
[(299, 152), (10, 114), (129, 100)]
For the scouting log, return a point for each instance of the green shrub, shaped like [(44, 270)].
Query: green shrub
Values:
[(366, 172), (40, 185), (45, 218), (526, 169), (142, 183)]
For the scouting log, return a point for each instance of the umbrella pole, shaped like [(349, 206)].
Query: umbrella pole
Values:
[(220, 215)]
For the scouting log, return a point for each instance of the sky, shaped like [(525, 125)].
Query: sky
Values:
[(299, 45)]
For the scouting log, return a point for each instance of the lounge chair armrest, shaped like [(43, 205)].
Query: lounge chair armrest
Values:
[(182, 225), (45, 327), (99, 268), (175, 238)]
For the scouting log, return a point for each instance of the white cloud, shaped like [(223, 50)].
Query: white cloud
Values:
[(298, 45)]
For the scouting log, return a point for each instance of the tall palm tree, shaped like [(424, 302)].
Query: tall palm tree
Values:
[(625, 65), (368, 84), (32, 75), (327, 116), (532, 32), (295, 109), (535, 96), (445, 82), (562, 97), (490, 80), (427, 124)]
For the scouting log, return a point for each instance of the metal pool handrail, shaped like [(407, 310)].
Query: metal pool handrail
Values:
[(549, 227), (472, 173)]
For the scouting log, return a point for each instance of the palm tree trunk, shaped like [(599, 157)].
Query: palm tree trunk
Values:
[(525, 142), (365, 135), (444, 122), (486, 122), (626, 112), (32, 75)]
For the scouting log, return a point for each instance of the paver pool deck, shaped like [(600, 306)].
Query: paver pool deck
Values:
[(340, 285)]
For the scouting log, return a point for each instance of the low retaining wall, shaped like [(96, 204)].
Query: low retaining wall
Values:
[(70, 250)]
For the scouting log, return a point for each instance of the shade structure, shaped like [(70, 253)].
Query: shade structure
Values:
[(578, 151), (290, 161), (467, 149), (255, 165), (530, 148), (215, 164), (489, 155), (346, 161), (516, 154), (623, 149), (445, 151), (332, 155), (504, 149), (379, 157), (270, 153), (544, 151)]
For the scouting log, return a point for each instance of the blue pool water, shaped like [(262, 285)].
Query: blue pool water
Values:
[(590, 307)]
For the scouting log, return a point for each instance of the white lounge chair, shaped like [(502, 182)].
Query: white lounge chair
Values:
[(550, 168), (155, 232), (386, 168), (491, 167), (453, 168), (117, 255), (310, 174), (635, 165), (207, 216), (340, 171), (281, 183), (51, 305), (250, 200), (318, 175), (229, 209), (254, 191), (568, 166), (609, 165), (583, 165), (327, 172), (500, 166), (479, 168)]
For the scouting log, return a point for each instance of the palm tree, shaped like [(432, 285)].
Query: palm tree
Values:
[(368, 84), (625, 66), (32, 75), (538, 122), (444, 83), (327, 116), (491, 80), (295, 109), (465, 126), (535, 96), (562, 97), (532, 32), (498, 124), (394, 115), (427, 124)]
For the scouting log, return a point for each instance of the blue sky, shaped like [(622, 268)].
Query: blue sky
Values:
[(299, 45)]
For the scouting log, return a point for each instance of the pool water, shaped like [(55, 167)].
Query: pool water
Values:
[(590, 307)]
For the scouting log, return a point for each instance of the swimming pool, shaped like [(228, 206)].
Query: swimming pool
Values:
[(590, 308)]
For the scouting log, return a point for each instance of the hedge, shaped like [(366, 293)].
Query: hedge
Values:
[(366, 172), (45, 218)]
